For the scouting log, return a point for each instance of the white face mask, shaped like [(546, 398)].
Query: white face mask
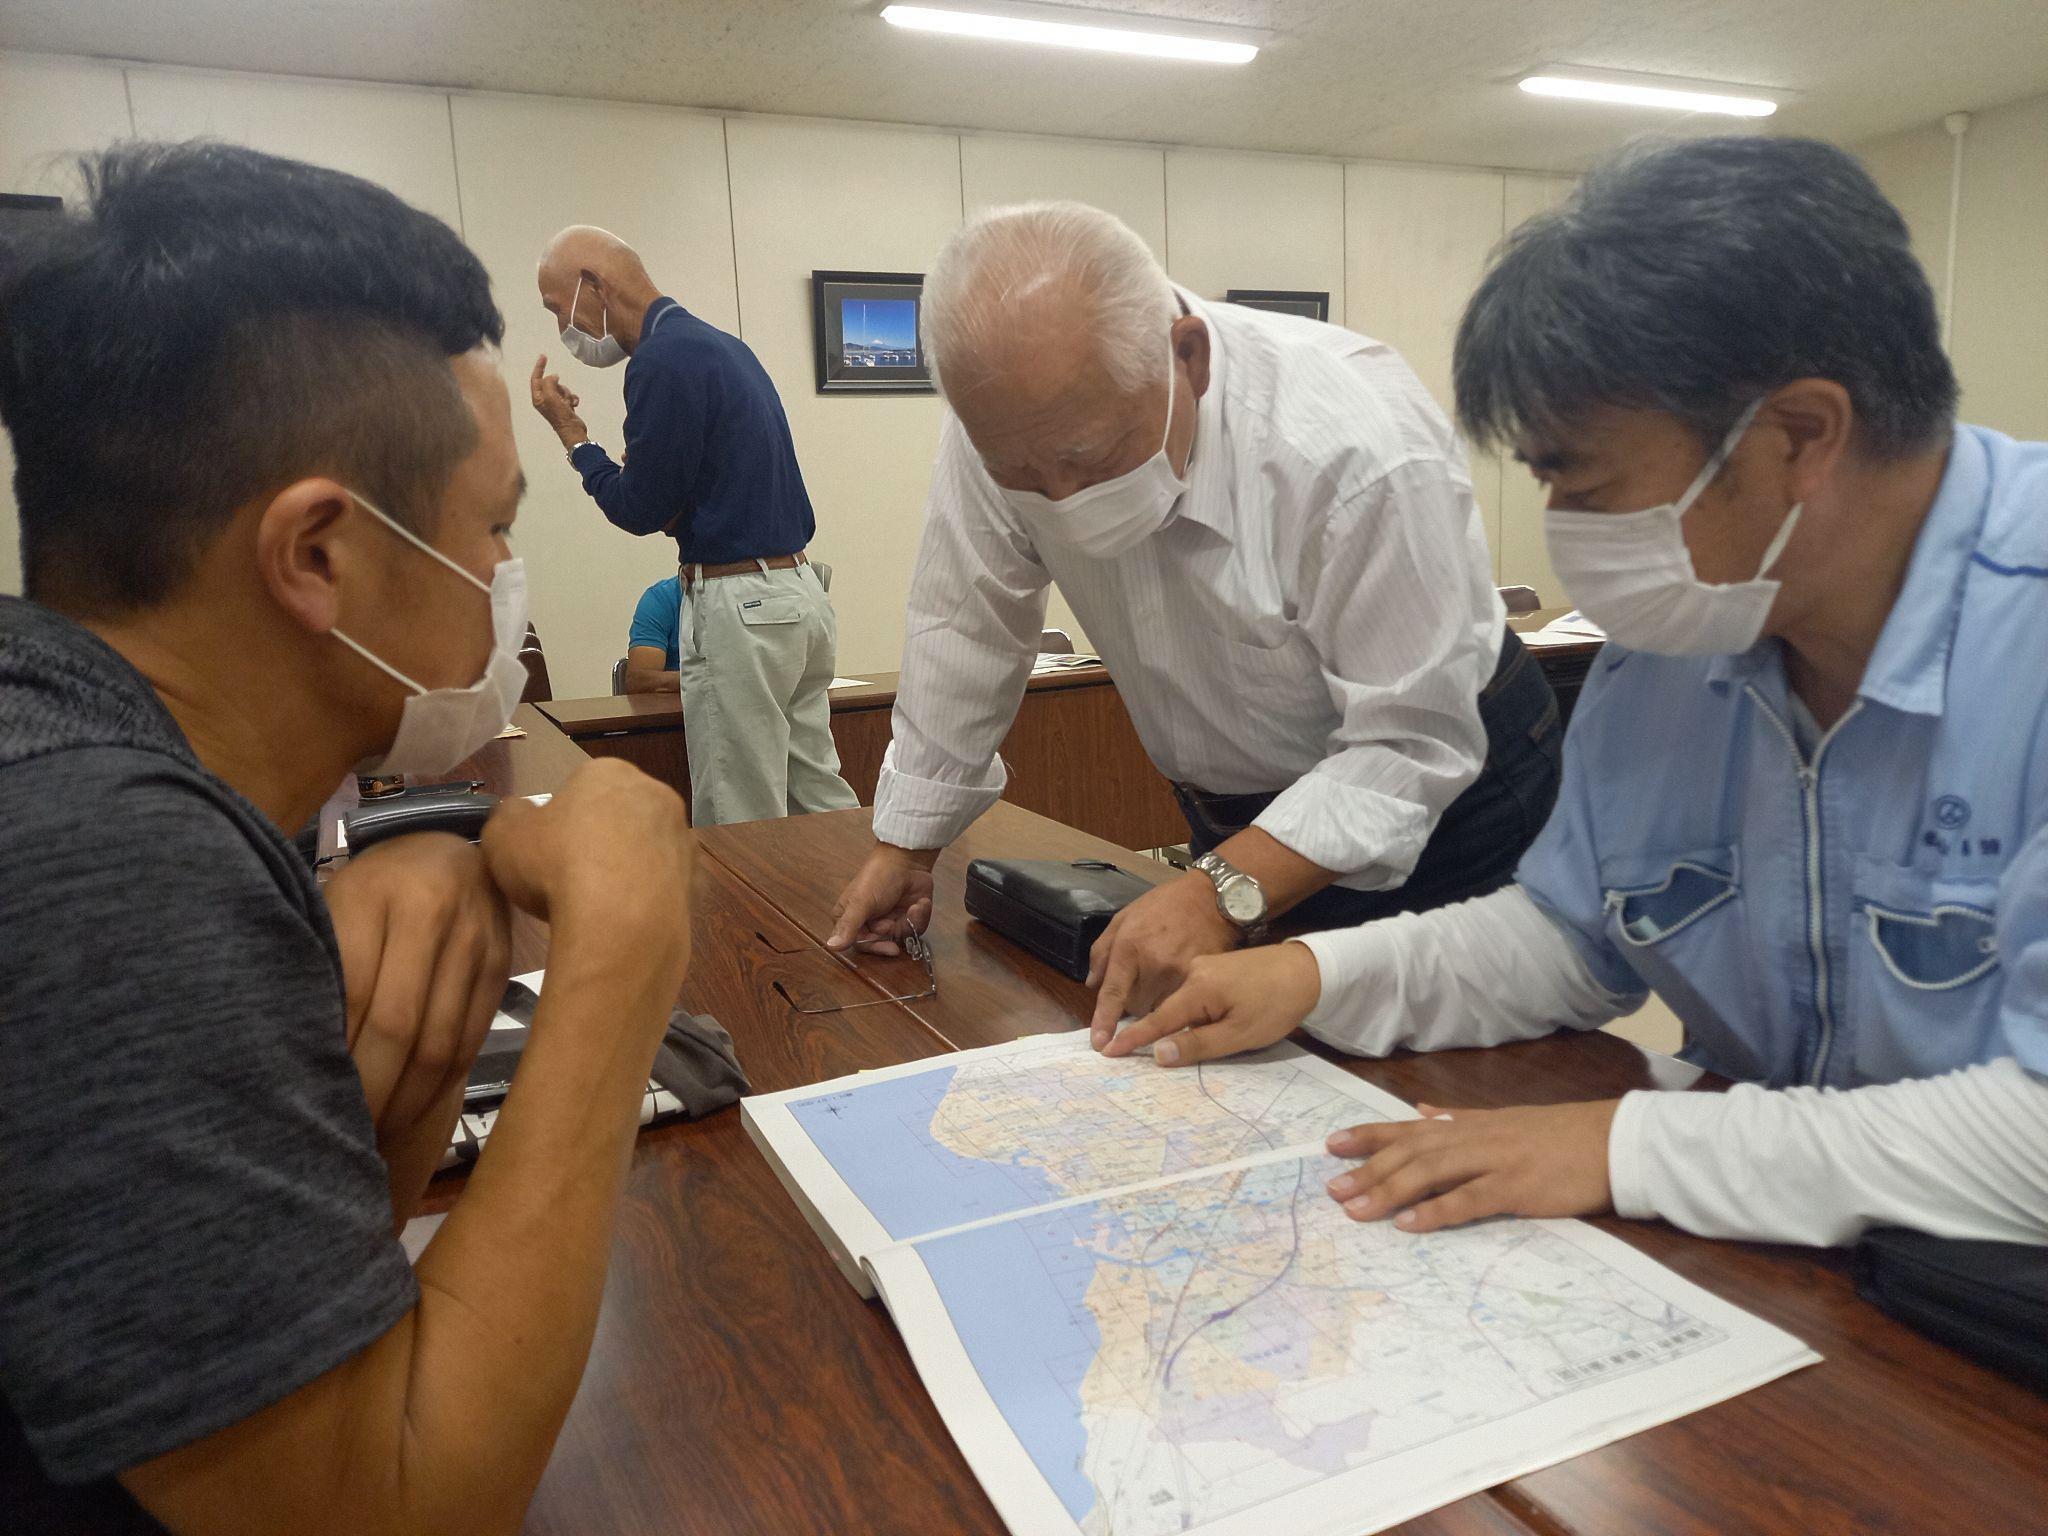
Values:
[(442, 726), (1117, 515), (595, 351), (1630, 573)]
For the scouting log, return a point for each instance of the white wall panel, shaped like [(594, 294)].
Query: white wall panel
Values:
[(396, 136), (1127, 180), (1416, 238), (1255, 221), (50, 111), (1524, 561), (827, 195)]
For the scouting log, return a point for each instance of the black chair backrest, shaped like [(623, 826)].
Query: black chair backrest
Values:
[(537, 690)]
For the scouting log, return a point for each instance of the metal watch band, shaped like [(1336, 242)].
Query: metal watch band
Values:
[(1220, 870)]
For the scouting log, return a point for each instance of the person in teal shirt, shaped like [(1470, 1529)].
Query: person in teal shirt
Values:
[(653, 660), (1805, 792)]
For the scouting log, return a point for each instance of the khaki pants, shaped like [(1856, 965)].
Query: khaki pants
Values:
[(757, 653)]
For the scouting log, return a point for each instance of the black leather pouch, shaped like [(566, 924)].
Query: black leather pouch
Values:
[(1056, 911), (1988, 1300)]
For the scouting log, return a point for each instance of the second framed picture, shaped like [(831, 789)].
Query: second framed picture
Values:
[(1307, 303), (864, 329)]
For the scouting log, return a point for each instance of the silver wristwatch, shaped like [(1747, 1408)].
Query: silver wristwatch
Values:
[(1239, 897)]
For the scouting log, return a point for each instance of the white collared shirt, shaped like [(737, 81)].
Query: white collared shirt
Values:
[(1317, 618)]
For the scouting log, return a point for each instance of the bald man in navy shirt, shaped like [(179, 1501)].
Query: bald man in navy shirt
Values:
[(714, 468)]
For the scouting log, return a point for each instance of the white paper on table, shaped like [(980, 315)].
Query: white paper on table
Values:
[(1565, 629), (1058, 661), (846, 682), (531, 979)]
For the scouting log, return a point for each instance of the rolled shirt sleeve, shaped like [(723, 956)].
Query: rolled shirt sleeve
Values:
[(1405, 683), (977, 607)]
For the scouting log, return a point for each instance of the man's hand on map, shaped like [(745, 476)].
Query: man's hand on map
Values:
[(1228, 1004), (1458, 1165), (1147, 949)]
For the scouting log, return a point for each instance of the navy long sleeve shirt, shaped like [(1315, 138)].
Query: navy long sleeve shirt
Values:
[(709, 459)]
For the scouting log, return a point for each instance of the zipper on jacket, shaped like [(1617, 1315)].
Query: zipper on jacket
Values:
[(1816, 912)]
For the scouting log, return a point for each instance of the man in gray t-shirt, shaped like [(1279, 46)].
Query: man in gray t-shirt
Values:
[(266, 474), (195, 1209)]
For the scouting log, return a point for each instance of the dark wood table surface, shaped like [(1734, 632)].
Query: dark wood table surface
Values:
[(737, 1383)]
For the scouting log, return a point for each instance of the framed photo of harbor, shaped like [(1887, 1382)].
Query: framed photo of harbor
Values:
[(864, 327), (1283, 301)]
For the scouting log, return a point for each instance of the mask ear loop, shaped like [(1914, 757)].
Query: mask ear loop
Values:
[(1719, 462), (1167, 436), (417, 542), (1172, 384), (424, 548), (574, 298), (1778, 544), (381, 665), (1720, 458)]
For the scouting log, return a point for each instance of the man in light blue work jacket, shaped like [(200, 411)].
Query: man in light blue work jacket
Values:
[(1806, 792)]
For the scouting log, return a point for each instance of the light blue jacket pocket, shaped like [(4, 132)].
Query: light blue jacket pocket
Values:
[(1677, 919), (1930, 935), (1684, 889), (1925, 982)]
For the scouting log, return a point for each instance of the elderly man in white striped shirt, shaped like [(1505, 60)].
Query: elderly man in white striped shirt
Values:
[(1266, 528)]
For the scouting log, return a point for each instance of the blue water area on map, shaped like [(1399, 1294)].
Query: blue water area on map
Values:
[(1014, 1293), (878, 1138)]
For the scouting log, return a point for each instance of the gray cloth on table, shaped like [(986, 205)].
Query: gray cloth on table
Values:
[(696, 1063)]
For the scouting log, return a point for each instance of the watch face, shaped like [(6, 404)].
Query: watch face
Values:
[(1243, 902)]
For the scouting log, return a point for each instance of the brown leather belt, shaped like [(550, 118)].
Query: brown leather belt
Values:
[(691, 572)]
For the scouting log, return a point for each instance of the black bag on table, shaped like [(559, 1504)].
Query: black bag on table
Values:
[(1986, 1300), (1055, 910)]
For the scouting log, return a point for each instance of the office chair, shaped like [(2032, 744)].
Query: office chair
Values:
[(1520, 600), (537, 690), (1055, 642), (619, 675)]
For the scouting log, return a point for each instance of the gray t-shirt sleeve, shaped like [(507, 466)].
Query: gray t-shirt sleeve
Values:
[(195, 1220)]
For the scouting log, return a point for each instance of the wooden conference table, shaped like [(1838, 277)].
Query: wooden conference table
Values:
[(738, 1384)]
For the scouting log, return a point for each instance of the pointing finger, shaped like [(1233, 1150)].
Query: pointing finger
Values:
[(1185, 1008), (1109, 1004)]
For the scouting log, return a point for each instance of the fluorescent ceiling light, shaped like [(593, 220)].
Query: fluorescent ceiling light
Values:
[(1651, 92), (1061, 26)]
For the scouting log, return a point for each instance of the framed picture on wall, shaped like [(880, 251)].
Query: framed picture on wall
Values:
[(1283, 301), (864, 327)]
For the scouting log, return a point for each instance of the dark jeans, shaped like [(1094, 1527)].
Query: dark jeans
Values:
[(1480, 837)]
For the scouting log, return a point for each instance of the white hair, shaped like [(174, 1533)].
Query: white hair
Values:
[(1004, 255)]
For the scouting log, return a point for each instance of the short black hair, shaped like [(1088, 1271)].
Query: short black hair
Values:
[(1693, 276), (212, 324)]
